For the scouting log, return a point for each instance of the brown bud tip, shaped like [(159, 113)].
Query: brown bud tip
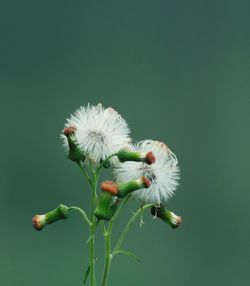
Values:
[(150, 158), (146, 182), (36, 221), (69, 131), (110, 186), (178, 220)]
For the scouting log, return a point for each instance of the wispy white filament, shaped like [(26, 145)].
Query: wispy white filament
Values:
[(164, 173), (99, 132)]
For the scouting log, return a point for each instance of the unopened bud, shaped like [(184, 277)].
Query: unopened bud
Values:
[(40, 221), (75, 154), (106, 206), (122, 189), (110, 187), (68, 131), (167, 216), (124, 155)]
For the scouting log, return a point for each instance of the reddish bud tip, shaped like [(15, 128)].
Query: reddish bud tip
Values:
[(36, 221), (69, 131), (150, 158), (146, 182), (110, 187), (178, 220)]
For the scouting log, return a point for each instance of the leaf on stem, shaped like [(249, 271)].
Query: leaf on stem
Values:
[(130, 254), (86, 275)]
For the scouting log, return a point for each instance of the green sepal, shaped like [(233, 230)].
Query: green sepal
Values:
[(75, 154), (125, 188), (124, 155), (61, 212), (106, 207), (163, 214)]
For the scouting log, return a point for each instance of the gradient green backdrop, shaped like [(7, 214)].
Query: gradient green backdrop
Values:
[(178, 71)]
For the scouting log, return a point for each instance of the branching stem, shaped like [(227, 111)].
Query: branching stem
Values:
[(93, 227), (107, 236), (127, 227)]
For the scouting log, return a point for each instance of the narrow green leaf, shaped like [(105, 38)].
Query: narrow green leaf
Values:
[(130, 254), (86, 275)]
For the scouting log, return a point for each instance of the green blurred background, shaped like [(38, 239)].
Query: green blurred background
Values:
[(178, 71)]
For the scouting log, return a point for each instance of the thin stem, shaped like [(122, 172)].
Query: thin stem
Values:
[(85, 173), (127, 227), (92, 228), (92, 253), (122, 204), (105, 161), (107, 236), (82, 213), (108, 255)]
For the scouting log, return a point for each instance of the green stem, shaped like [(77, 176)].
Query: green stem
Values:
[(108, 255), (127, 227), (92, 228), (107, 236), (105, 161), (122, 204), (85, 173), (82, 213)]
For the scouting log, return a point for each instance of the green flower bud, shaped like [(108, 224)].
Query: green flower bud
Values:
[(75, 154), (167, 216), (124, 155), (106, 207), (40, 221), (121, 190)]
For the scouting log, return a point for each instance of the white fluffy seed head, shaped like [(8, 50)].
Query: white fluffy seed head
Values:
[(163, 174), (99, 132)]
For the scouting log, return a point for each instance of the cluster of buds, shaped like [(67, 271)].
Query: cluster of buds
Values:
[(112, 192), (167, 216), (40, 221), (125, 155), (75, 154)]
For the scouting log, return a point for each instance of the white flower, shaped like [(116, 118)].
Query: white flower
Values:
[(163, 174), (99, 132)]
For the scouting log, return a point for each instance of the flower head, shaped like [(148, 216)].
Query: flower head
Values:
[(163, 174), (98, 132), (167, 216), (40, 221), (106, 206), (128, 155), (74, 152), (122, 189)]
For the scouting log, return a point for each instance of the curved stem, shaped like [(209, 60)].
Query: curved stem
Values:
[(85, 173), (82, 213), (127, 227), (105, 161)]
